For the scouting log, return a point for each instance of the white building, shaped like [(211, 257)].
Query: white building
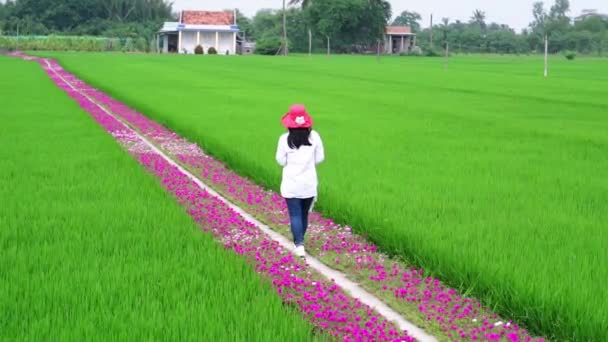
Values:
[(205, 28), (399, 39)]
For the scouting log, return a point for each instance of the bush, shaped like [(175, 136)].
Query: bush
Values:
[(141, 44), (570, 55), (128, 45), (416, 52), (433, 52), (198, 50), (212, 51), (268, 46)]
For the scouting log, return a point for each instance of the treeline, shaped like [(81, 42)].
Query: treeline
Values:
[(347, 24), (343, 25), (110, 18), (586, 34), (350, 27)]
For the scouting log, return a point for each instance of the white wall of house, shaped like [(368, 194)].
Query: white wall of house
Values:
[(400, 43), (207, 40), (221, 41), (226, 43), (188, 41)]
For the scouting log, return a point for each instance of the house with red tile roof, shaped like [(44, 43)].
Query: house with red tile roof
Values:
[(399, 39), (217, 29)]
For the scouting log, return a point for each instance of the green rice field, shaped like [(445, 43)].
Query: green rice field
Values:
[(486, 174), (93, 248)]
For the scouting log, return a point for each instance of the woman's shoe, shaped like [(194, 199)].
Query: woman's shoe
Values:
[(300, 251)]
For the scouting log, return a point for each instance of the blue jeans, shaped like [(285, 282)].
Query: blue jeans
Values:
[(298, 214)]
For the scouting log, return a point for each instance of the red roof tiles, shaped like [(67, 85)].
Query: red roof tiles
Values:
[(396, 30), (207, 18)]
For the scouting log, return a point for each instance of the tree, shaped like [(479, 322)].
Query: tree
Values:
[(445, 30), (407, 18), (479, 18), (375, 19), (560, 9), (348, 23), (304, 3), (538, 25), (593, 23), (245, 25), (84, 16), (540, 17), (266, 23)]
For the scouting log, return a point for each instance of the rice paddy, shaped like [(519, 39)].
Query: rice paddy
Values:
[(92, 248), (485, 174)]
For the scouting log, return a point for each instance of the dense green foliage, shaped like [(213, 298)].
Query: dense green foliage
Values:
[(348, 28), (586, 35), (112, 18), (93, 248), (350, 25), (487, 175), (75, 43), (407, 18)]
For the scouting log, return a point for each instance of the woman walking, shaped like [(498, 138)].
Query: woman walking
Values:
[(298, 152)]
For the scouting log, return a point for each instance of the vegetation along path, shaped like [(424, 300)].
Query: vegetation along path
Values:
[(361, 277)]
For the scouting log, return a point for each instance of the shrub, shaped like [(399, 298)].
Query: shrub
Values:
[(212, 51), (433, 52), (570, 55), (268, 46), (198, 50), (128, 45), (416, 52), (141, 44)]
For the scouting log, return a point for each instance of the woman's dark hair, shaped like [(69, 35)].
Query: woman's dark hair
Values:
[(298, 137)]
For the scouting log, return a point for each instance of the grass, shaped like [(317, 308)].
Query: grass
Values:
[(485, 174), (92, 247)]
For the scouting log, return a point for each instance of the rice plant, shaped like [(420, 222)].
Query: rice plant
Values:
[(487, 175)]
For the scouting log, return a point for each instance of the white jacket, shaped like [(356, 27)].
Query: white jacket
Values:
[(299, 167)]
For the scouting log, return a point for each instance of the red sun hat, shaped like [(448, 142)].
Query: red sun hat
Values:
[(297, 117)]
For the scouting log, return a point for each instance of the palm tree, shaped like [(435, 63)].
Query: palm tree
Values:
[(445, 28), (479, 18), (304, 3)]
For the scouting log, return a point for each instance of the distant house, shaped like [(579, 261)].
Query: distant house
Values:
[(248, 48), (399, 39), (216, 29)]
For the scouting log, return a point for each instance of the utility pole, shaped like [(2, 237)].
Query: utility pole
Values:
[(309, 42), (546, 55), (431, 31), (284, 29), (17, 44), (447, 55)]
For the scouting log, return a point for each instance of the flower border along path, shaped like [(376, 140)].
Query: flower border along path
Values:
[(425, 300), (326, 304)]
